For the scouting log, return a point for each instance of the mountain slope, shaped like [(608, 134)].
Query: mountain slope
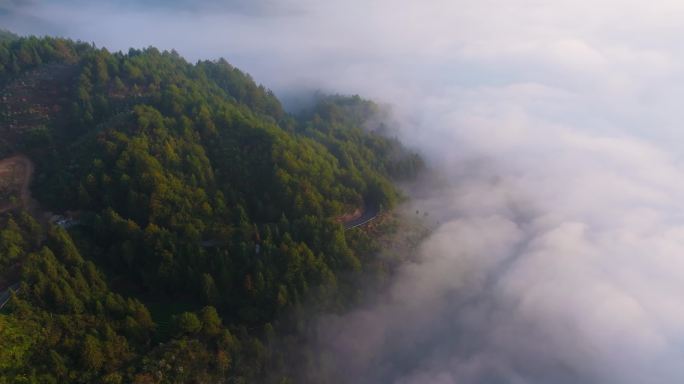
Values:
[(186, 187)]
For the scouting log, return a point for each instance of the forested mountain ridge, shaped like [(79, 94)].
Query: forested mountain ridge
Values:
[(190, 191)]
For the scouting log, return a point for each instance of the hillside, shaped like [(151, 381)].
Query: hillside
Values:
[(184, 222)]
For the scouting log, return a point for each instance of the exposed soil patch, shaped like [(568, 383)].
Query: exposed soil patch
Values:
[(15, 179), (349, 216)]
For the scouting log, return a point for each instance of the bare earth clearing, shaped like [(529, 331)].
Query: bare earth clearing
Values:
[(15, 178)]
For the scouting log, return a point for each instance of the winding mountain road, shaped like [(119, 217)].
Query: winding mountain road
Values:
[(369, 214), (7, 293)]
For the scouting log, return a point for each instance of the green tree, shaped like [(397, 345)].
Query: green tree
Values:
[(187, 323)]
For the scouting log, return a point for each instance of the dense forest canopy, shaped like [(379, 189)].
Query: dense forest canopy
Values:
[(7, 35), (198, 217)]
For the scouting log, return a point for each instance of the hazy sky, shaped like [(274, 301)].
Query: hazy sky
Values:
[(556, 127)]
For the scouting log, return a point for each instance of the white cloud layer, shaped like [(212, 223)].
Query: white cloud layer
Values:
[(558, 126)]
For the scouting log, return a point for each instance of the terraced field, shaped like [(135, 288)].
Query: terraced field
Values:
[(33, 101)]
